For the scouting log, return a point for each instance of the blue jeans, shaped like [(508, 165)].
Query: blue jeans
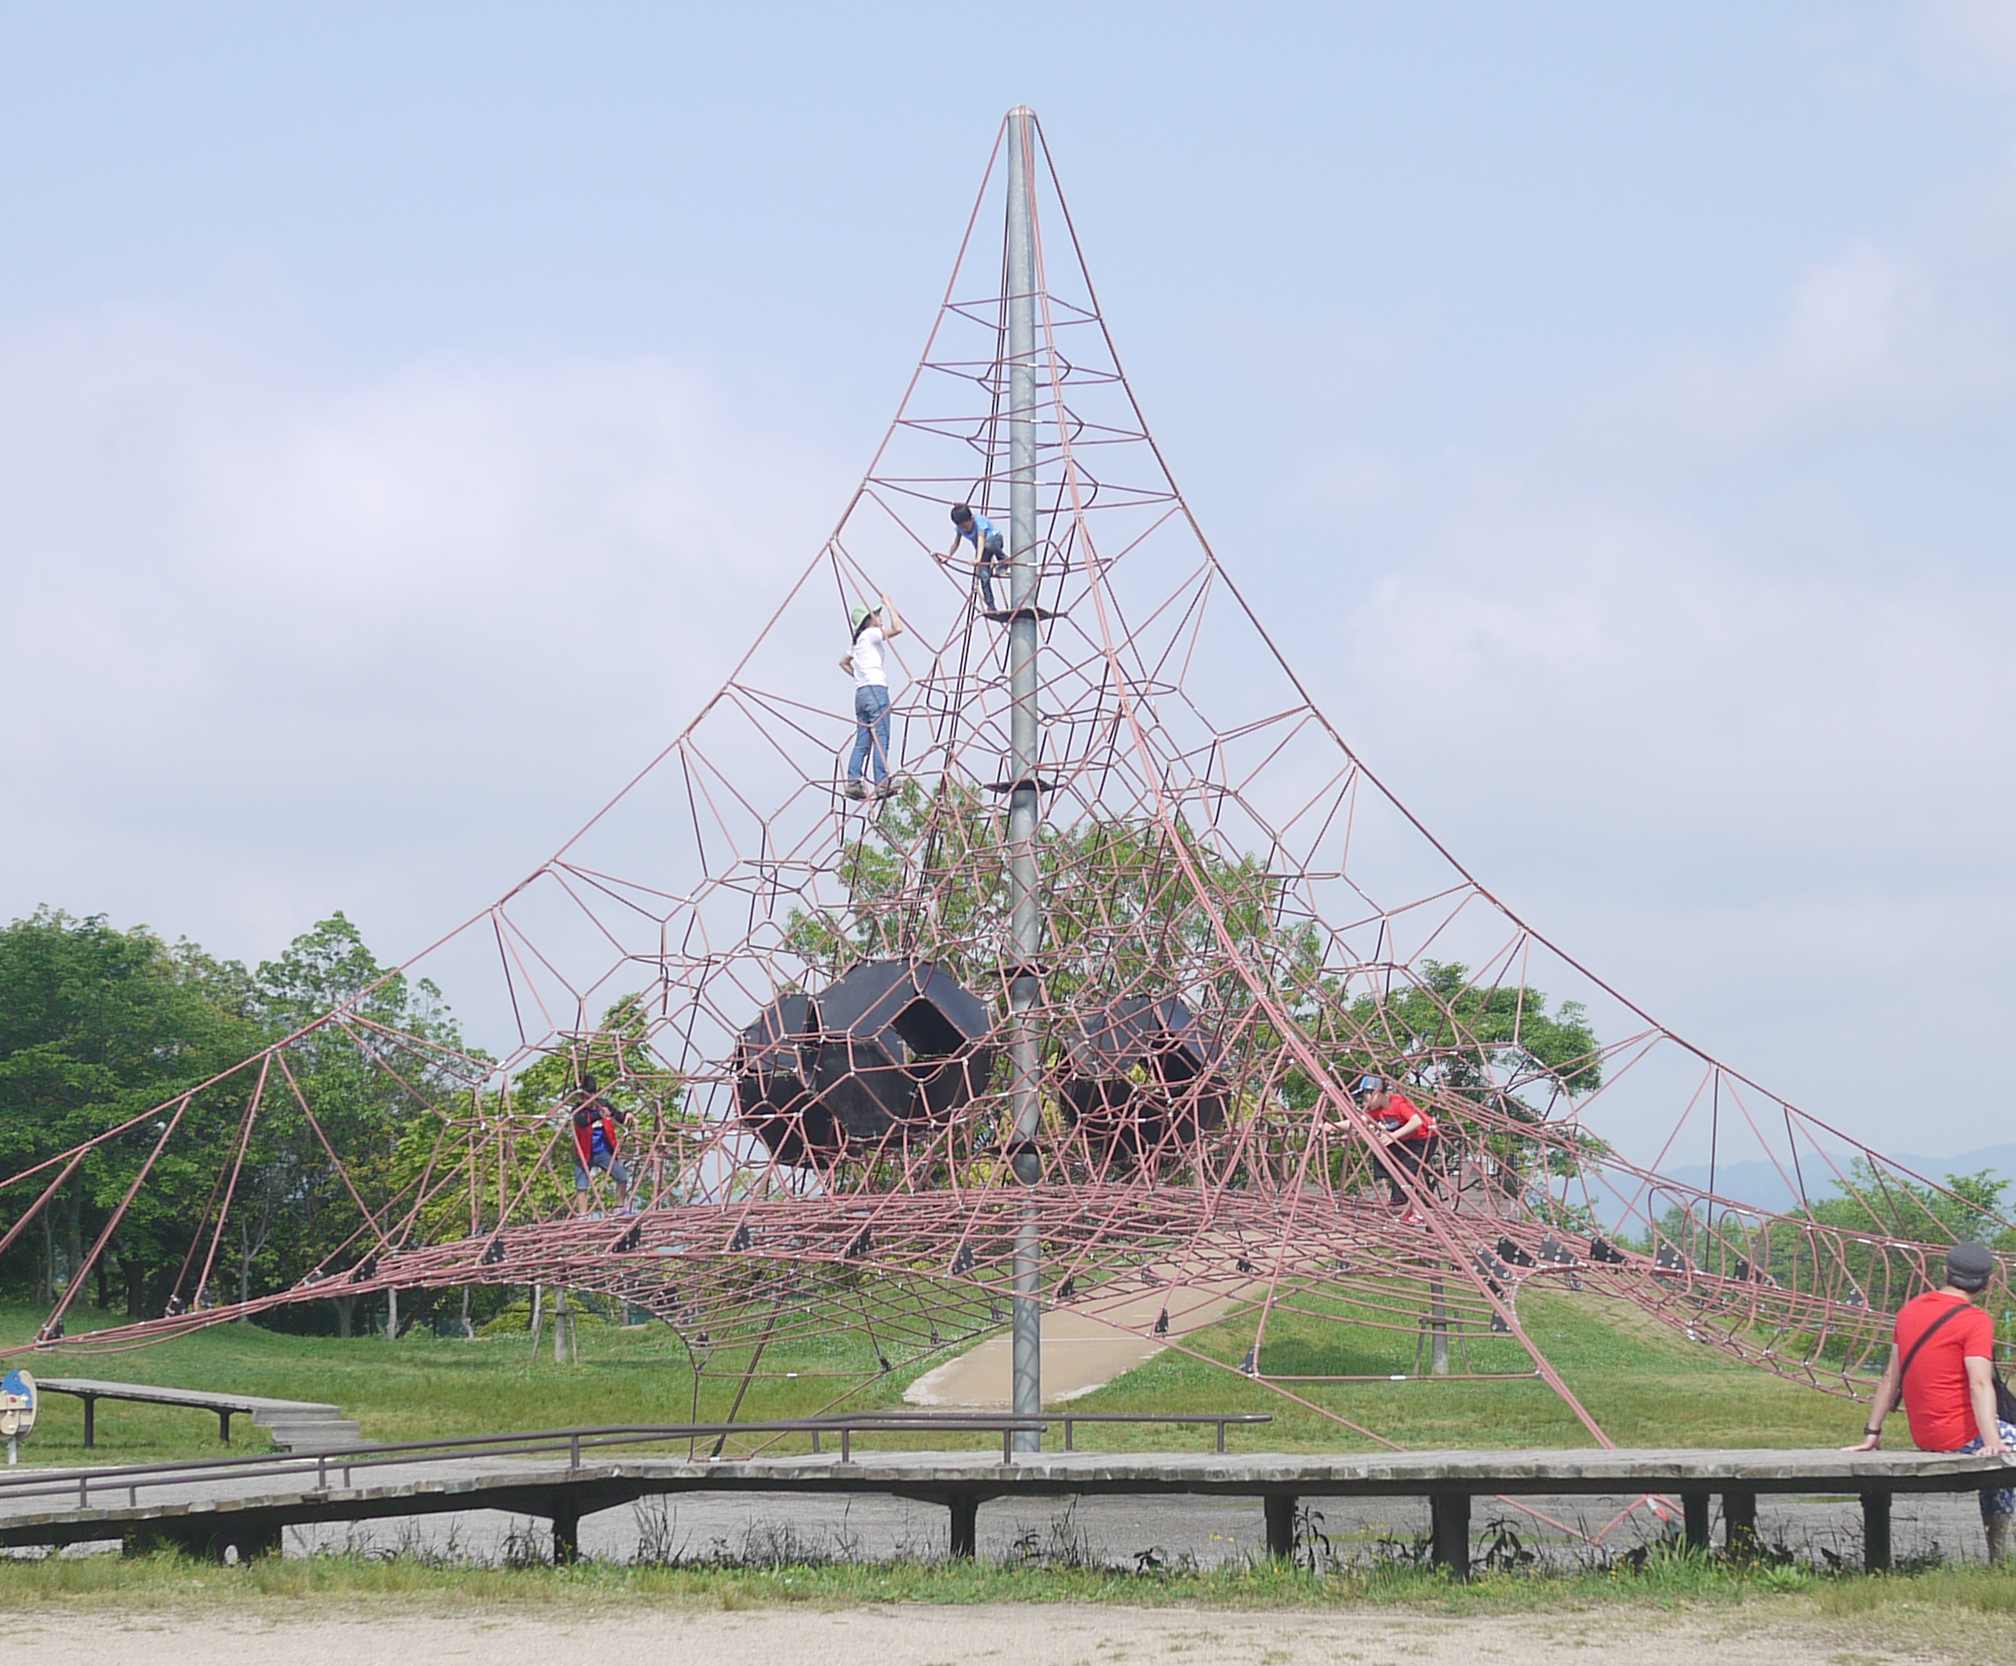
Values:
[(993, 561), (608, 1162), (1996, 1501), (871, 732)]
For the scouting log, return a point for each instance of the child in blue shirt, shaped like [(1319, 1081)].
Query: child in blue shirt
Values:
[(990, 555)]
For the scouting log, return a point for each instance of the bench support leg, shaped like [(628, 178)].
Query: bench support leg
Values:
[(224, 1426), (1280, 1513), (1739, 1523), (90, 1421), (1449, 1516), (964, 1509), (1694, 1508), (1875, 1532), (566, 1537)]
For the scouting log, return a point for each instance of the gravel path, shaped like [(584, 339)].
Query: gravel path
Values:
[(920, 1636)]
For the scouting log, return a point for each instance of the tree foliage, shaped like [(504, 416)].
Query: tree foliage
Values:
[(1142, 906), (98, 1026)]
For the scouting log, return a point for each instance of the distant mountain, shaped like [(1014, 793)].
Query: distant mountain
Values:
[(1761, 1184)]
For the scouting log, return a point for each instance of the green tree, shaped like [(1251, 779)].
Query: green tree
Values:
[(341, 1098), (1137, 905), (97, 1026), (508, 1157), (1495, 1049)]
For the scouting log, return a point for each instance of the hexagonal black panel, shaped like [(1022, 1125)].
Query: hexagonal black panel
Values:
[(772, 1085), (898, 1042), (889, 1045), (1141, 1076)]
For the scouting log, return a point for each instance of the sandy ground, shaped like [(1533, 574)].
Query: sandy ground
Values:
[(921, 1636)]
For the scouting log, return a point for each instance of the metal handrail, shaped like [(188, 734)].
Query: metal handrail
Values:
[(346, 1460), (1221, 1418)]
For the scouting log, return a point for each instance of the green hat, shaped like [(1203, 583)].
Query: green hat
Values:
[(857, 616)]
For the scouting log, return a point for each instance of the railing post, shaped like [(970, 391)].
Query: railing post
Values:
[(846, 1444), (1067, 1435), (90, 1421), (1221, 1434)]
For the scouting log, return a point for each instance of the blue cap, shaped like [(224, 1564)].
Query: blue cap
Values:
[(1369, 1084)]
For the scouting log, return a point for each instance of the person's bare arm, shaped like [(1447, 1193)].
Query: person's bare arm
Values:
[(1417, 1120), (892, 621), (847, 664), (1981, 1390), (1881, 1403)]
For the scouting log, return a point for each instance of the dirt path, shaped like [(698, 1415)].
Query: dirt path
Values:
[(1032, 1635)]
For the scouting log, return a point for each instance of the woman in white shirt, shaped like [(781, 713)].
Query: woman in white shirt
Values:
[(873, 626)]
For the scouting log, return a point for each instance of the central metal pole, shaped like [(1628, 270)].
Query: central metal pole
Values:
[(1025, 737)]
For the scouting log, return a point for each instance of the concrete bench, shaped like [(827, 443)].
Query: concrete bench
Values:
[(295, 1425), (198, 1507), (1448, 1480)]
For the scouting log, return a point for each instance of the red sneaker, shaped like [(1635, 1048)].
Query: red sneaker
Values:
[(1413, 1217)]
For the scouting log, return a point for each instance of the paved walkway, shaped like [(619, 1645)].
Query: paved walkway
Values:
[(1087, 1344)]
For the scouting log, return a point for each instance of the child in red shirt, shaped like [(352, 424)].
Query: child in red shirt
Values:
[(1408, 1139)]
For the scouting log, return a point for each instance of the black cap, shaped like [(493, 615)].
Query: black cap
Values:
[(1969, 1266)]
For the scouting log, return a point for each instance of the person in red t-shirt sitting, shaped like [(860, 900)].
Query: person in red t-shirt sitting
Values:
[(1948, 1345), (1406, 1143)]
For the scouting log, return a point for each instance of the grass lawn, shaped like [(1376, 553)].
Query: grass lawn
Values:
[(1645, 1384), (422, 1386)]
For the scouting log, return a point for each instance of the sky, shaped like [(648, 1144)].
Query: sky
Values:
[(406, 411)]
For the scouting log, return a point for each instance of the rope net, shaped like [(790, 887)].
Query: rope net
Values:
[(800, 999)]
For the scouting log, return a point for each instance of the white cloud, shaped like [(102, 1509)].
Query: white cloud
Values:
[(1708, 674), (283, 639), (1971, 40), (1869, 340)]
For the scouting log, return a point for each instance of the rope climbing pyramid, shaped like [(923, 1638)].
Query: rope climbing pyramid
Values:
[(1133, 998)]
